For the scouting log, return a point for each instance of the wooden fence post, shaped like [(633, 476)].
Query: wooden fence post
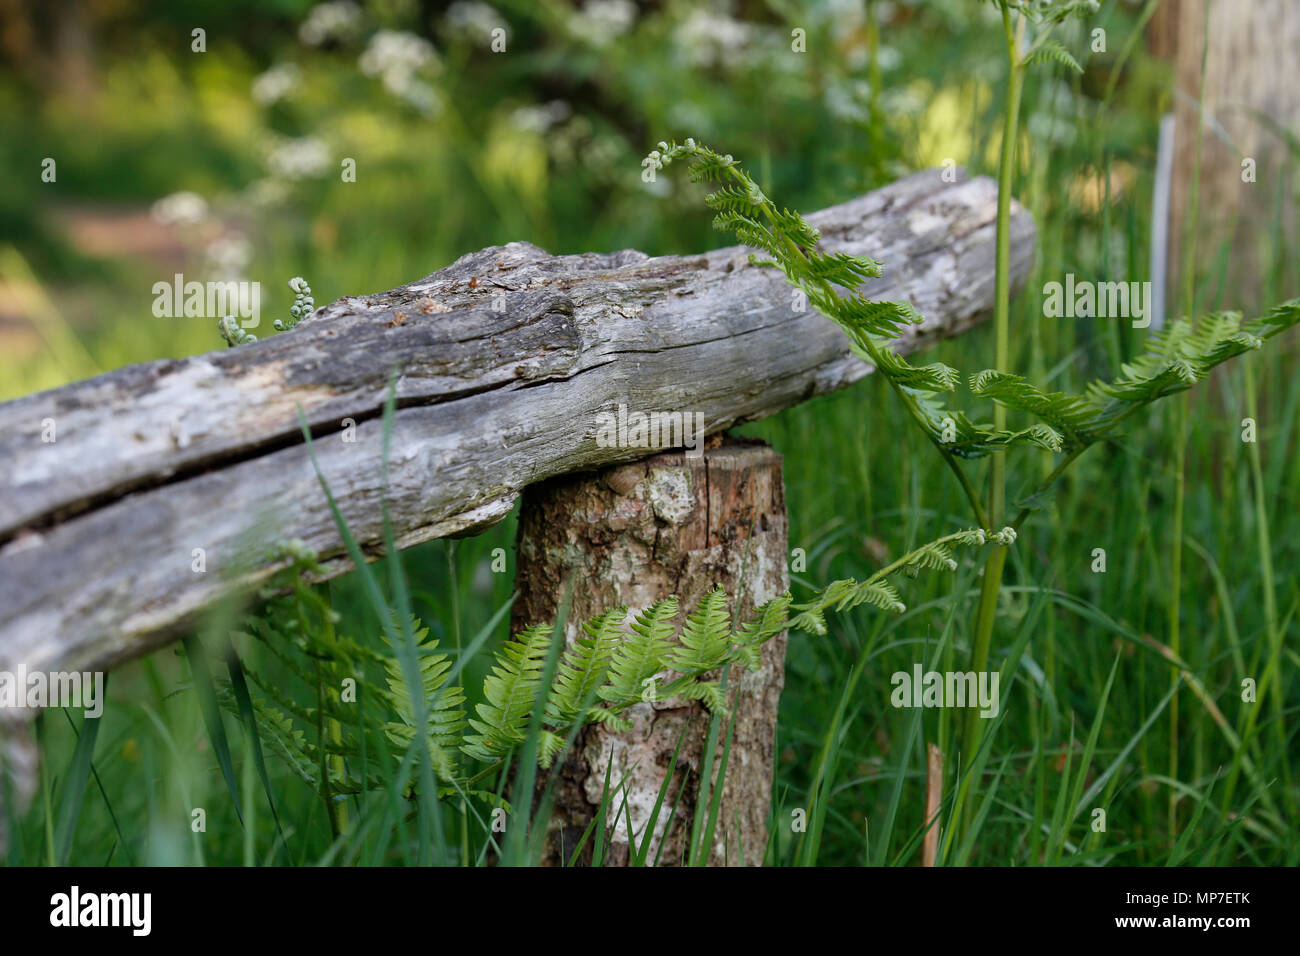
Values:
[(1247, 160), (633, 534), (501, 362)]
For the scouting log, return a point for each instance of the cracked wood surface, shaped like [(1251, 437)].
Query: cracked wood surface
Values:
[(98, 529)]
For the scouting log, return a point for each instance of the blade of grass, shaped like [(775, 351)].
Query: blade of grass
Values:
[(211, 712), (74, 787)]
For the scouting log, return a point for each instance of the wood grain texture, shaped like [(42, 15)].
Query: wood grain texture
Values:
[(98, 529)]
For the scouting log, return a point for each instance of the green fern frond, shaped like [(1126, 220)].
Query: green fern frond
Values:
[(840, 268), (641, 654), (933, 557), (959, 436), (810, 620), (277, 733), (233, 333), (1183, 353), (1279, 319), (549, 745), (767, 621), (730, 220), (1049, 12), (858, 314), (790, 241), (708, 693), (610, 719), (800, 231), (583, 667), (444, 716), (705, 639), (303, 304), (1052, 52), (733, 199), (847, 594), (708, 167), (935, 377), (509, 691), (1069, 415)]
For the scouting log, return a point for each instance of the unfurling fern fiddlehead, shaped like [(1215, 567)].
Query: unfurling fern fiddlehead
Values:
[(303, 306)]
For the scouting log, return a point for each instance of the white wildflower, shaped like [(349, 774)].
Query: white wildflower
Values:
[(397, 58), (540, 119), (710, 38), (336, 20), (265, 192), (603, 21), (228, 256), (276, 83), (849, 100), (303, 158), (474, 20), (181, 209)]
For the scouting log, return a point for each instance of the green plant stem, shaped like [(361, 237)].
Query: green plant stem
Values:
[(1267, 681), (454, 589), (993, 567), (911, 556), (1173, 608), (1002, 295), (337, 808), (1180, 437)]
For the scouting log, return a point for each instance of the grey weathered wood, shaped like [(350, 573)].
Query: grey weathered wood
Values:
[(153, 461)]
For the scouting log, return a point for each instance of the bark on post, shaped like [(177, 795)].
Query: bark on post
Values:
[(634, 534)]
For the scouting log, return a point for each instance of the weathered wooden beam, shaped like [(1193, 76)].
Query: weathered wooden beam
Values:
[(502, 363)]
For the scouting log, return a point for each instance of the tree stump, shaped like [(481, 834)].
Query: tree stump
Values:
[(671, 524)]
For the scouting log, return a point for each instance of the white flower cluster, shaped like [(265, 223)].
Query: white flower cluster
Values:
[(304, 158), (540, 119), (711, 38), (849, 100), (602, 21), (336, 20), (397, 57), (276, 83), (474, 20), (266, 192), (228, 256), (180, 209)]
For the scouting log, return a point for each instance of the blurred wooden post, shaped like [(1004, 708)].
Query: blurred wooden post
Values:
[(667, 525), (1252, 101)]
